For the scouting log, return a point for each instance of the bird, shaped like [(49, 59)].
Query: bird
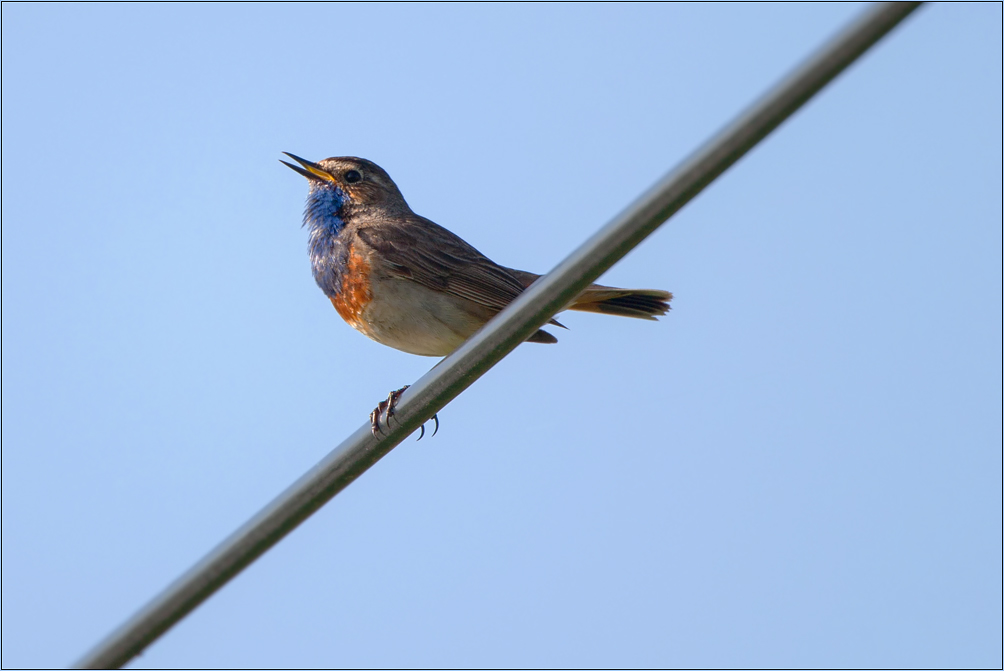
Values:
[(406, 282)]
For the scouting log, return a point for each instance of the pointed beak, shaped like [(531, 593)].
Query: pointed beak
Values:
[(309, 170)]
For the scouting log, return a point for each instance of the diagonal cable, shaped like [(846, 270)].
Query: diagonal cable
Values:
[(501, 335)]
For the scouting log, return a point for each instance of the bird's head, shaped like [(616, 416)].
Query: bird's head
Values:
[(345, 186)]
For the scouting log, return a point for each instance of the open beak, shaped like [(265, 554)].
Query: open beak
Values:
[(309, 170)]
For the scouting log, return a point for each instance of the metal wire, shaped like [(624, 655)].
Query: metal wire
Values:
[(501, 335)]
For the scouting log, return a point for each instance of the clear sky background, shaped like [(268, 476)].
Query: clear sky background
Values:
[(799, 466)]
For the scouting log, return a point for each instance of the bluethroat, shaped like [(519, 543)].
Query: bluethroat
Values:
[(406, 282)]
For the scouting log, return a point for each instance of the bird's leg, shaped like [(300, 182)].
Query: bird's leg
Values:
[(386, 408)]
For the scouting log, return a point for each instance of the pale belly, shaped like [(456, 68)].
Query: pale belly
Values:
[(410, 317)]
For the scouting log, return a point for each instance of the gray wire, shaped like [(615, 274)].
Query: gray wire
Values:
[(500, 336)]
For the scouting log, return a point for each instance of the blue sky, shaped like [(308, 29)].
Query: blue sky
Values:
[(799, 466)]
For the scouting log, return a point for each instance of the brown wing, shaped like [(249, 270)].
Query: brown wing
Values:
[(429, 254)]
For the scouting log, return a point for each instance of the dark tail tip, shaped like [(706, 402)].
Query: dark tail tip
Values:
[(641, 304)]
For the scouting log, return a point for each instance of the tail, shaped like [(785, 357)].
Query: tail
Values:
[(637, 303)]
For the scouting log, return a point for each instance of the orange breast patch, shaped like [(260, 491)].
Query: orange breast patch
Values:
[(355, 292)]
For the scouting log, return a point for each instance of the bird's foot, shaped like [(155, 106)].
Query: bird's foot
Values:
[(386, 409)]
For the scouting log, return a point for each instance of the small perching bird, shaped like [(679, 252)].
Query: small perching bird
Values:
[(409, 283)]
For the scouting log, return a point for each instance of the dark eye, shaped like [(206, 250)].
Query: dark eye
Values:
[(353, 176)]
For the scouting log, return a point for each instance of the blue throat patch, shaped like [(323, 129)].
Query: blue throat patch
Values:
[(328, 254)]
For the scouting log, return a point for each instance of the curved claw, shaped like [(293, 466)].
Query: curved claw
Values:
[(435, 418)]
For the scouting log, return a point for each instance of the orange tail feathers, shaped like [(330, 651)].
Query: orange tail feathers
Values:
[(637, 303)]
